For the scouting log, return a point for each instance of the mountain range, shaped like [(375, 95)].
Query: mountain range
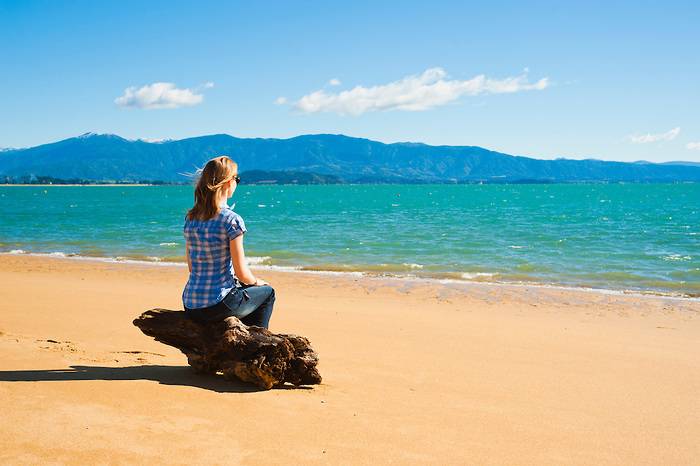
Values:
[(316, 158)]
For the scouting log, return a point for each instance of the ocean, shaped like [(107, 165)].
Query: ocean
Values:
[(638, 237)]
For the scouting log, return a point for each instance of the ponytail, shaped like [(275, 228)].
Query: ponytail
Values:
[(212, 178)]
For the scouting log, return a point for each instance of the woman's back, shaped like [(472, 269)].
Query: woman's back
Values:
[(211, 276), (214, 245)]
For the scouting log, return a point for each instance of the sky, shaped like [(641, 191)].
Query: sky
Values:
[(605, 80)]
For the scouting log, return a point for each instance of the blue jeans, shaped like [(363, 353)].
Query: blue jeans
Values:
[(251, 304)]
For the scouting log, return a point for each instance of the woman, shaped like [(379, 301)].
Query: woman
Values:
[(220, 283)]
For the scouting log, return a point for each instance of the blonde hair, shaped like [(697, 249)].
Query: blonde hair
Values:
[(212, 178)]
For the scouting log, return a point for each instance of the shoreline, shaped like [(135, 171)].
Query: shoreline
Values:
[(398, 278), (427, 183), (108, 185)]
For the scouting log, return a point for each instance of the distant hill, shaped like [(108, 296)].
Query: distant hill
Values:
[(324, 157), (287, 177), (692, 164)]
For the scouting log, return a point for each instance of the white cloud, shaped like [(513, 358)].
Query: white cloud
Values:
[(280, 100), (693, 145), (161, 95), (334, 82), (647, 138), (432, 88)]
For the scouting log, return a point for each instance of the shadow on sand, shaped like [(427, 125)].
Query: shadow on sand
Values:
[(166, 375)]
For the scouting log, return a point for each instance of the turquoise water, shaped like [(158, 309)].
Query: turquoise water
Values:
[(615, 236)]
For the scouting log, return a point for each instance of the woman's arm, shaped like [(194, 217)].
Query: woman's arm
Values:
[(240, 266), (187, 255)]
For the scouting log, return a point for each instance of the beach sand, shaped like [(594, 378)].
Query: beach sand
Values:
[(414, 373)]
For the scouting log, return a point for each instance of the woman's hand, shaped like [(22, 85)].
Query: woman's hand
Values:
[(260, 282)]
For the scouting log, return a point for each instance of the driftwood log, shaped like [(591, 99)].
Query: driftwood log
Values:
[(252, 354)]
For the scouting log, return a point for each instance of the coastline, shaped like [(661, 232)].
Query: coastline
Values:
[(109, 185), (413, 373), (400, 277)]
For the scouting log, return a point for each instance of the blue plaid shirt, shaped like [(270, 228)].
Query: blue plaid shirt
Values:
[(212, 275)]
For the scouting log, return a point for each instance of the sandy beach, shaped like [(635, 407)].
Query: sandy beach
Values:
[(414, 373)]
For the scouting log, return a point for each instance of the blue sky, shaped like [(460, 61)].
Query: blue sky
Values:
[(543, 79)]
